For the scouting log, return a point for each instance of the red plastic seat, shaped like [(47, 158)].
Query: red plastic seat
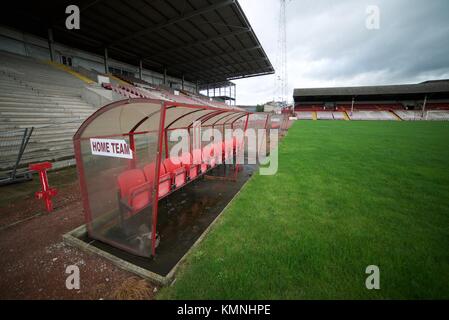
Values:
[(164, 178), (177, 171), (208, 156), (238, 143), (164, 184), (215, 153), (228, 148), (191, 168), (134, 191), (198, 159), (107, 86)]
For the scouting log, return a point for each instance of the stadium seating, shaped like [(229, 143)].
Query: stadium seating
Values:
[(206, 101), (134, 191), (437, 115), (371, 106), (391, 106), (371, 115), (384, 112), (34, 93), (197, 157), (416, 115), (338, 115), (410, 115), (162, 93), (134, 188), (309, 107), (135, 185), (437, 106), (320, 115), (181, 98), (132, 87), (304, 115), (193, 170), (209, 156), (177, 171), (131, 80), (376, 106), (164, 178), (324, 115)]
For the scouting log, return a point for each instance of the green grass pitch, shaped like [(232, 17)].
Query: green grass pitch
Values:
[(347, 195)]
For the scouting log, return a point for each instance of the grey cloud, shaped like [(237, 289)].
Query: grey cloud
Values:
[(328, 43)]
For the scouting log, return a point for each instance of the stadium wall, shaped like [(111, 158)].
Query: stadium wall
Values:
[(18, 42)]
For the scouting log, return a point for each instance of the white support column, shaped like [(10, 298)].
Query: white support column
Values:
[(140, 69), (352, 105), (424, 106), (106, 62)]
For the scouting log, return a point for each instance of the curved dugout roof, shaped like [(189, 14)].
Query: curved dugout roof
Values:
[(205, 40), (142, 115)]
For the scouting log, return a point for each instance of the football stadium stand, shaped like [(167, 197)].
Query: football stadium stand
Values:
[(338, 115), (35, 94), (371, 115), (410, 115), (437, 115), (304, 115), (53, 78), (428, 100), (324, 115)]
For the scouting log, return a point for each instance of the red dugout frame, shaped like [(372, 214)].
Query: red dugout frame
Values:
[(165, 109)]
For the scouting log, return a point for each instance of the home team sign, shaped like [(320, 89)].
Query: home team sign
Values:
[(111, 148)]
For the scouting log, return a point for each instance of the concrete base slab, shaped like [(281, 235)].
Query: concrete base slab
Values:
[(79, 238)]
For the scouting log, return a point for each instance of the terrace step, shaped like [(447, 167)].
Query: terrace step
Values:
[(42, 99), (42, 114)]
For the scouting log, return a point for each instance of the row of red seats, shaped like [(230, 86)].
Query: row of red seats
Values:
[(372, 107), (127, 91), (121, 91), (437, 106), (132, 90), (135, 184), (309, 107)]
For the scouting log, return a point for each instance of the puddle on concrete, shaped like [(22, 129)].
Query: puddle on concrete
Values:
[(183, 217)]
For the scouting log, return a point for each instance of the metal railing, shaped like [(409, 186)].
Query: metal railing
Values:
[(13, 143)]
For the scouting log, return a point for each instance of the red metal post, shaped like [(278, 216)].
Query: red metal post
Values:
[(47, 192), (266, 129), (190, 143), (132, 145), (156, 180), (266, 121), (83, 185), (243, 145), (166, 143)]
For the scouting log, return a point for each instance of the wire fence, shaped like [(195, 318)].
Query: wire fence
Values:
[(13, 143)]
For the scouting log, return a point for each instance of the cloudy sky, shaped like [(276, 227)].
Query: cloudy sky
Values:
[(328, 43)]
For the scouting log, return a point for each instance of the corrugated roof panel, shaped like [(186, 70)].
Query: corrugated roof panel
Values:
[(160, 32)]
